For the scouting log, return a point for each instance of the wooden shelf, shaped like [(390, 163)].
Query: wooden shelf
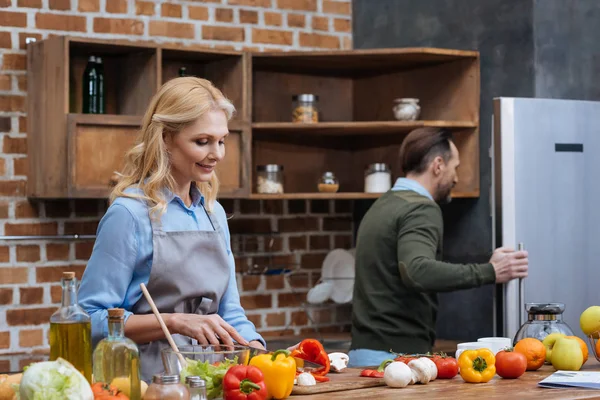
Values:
[(339, 196), (355, 128)]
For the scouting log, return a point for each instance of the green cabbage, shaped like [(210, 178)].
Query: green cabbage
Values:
[(211, 374), (54, 380)]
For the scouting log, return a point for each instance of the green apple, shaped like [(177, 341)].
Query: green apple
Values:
[(549, 342), (590, 321), (567, 355)]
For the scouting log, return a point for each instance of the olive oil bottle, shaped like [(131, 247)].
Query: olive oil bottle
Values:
[(71, 330), (117, 358)]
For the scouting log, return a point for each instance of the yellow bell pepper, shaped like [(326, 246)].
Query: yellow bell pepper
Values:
[(279, 370), (477, 366)]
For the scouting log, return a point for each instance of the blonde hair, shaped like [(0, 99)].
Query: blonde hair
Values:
[(178, 103)]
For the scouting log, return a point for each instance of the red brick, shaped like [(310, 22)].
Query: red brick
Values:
[(21, 166), (319, 206), (116, 6), (57, 208), (255, 319), (4, 254), (5, 40), (250, 206), (144, 8), (6, 296), (28, 253), (343, 241), (336, 7), (22, 82), (29, 3), (32, 295), (54, 274), (13, 188), (250, 283), (89, 5), (303, 5), (22, 124), (320, 242), (337, 223), (250, 226), (12, 103), (241, 264), (297, 206), (29, 316), (170, 10), (321, 316), (119, 26), (5, 364), (291, 299), (81, 228), (2, 167), (275, 261), (317, 40), (275, 282), (347, 43), (320, 23), (342, 25), (231, 34), (31, 337), (272, 36), (297, 243), (60, 4), (299, 318), (5, 3), (57, 251), (27, 209), (4, 340), (14, 145), (299, 224), (256, 301), (250, 3), (15, 19), (3, 210), (312, 261), (12, 275), (5, 124), (60, 22), (56, 294), (275, 319), (172, 29), (248, 17), (273, 18), (198, 12), (224, 15), (43, 228), (296, 20), (5, 82), (273, 244), (273, 207), (343, 206)]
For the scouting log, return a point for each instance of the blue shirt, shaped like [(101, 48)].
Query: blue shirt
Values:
[(410, 184), (122, 259)]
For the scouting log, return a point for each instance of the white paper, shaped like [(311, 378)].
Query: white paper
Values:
[(571, 379)]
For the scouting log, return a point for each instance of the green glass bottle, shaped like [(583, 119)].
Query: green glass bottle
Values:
[(182, 71), (90, 87), (101, 106)]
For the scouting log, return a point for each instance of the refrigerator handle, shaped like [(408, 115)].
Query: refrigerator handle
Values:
[(522, 315)]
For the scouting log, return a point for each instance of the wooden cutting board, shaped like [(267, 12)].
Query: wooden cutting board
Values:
[(348, 379)]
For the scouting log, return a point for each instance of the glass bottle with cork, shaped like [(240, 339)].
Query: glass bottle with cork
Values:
[(101, 97), (90, 87), (117, 358), (71, 330)]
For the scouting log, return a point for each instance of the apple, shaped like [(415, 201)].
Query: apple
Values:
[(549, 342), (590, 321), (567, 355)]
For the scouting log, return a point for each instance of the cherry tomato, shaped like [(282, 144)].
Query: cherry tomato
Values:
[(447, 367), (510, 364), (405, 359)]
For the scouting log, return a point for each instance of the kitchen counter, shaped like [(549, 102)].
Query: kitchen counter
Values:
[(523, 388)]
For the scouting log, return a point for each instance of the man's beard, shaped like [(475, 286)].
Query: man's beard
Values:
[(444, 193)]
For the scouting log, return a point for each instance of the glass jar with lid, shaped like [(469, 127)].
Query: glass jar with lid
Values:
[(378, 178), (269, 179), (197, 387), (328, 183), (167, 387), (543, 319), (305, 109)]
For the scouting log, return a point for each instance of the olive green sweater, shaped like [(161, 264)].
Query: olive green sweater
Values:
[(398, 272)]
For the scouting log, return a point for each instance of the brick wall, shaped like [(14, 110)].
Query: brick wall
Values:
[(291, 234)]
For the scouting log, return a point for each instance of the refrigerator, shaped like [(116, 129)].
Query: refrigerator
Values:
[(546, 195)]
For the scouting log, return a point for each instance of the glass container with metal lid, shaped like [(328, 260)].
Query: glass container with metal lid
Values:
[(378, 178), (167, 387), (305, 109), (543, 319), (269, 179)]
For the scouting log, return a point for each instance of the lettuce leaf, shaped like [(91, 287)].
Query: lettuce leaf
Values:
[(211, 374)]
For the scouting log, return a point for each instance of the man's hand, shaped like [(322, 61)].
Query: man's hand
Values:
[(509, 264)]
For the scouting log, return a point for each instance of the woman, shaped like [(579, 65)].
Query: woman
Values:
[(164, 228)]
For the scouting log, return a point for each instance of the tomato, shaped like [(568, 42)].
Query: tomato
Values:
[(510, 364), (103, 391), (405, 359), (447, 367)]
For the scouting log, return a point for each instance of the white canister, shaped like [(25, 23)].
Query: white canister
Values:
[(378, 178), (470, 346), (496, 343)]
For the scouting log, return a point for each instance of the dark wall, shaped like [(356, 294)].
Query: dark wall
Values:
[(501, 30)]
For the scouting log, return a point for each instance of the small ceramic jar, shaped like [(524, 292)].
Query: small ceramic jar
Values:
[(328, 183), (407, 109)]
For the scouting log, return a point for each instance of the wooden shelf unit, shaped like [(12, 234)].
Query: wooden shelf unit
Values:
[(74, 155)]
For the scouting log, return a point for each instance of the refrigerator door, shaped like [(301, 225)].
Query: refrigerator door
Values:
[(546, 192)]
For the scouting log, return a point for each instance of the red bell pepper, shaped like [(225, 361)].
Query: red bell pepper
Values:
[(244, 382), (375, 373), (312, 350)]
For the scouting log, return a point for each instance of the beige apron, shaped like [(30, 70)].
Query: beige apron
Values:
[(190, 273)]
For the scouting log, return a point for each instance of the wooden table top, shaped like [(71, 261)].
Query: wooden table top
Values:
[(524, 387)]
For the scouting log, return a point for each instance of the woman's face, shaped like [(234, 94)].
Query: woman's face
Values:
[(195, 151)]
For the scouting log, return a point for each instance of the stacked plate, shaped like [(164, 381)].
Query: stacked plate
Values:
[(337, 279)]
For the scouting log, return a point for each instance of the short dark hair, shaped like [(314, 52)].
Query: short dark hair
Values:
[(421, 146)]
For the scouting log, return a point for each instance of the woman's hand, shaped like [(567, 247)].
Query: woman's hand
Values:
[(206, 329), (257, 345)]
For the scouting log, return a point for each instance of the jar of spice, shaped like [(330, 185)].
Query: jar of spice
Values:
[(328, 183), (304, 108), (197, 387), (378, 178), (269, 179), (166, 387)]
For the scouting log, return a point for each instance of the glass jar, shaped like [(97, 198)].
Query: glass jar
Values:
[(197, 387), (328, 183), (269, 179), (167, 387), (304, 108), (543, 319), (378, 178)]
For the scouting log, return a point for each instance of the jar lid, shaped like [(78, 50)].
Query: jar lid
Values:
[(328, 174), (269, 168), (545, 308), (67, 276), (305, 97), (195, 381), (165, 379), (116, 313), (377, 167)]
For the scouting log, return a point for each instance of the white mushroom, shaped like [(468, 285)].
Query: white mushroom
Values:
[(306, 379), (420, 371), (397, 374), (338, 361), (432, 367)]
